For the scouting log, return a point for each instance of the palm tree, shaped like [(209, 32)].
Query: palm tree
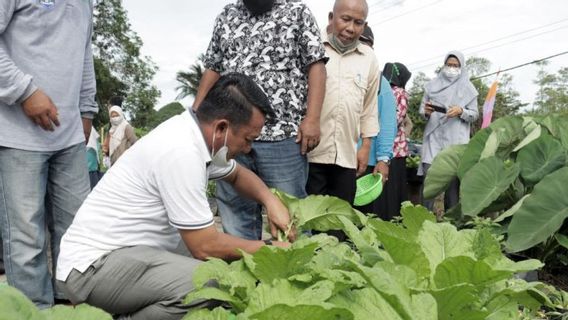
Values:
[(189, 80)]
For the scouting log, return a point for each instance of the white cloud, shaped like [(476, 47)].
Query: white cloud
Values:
[(175, 32)]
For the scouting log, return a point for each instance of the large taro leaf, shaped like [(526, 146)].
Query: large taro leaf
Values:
[(562, 240), (556, 125), (532, 136), (473, 151), (510, 131), (541, 214), (443, 170), (484, 183), (540, 157)]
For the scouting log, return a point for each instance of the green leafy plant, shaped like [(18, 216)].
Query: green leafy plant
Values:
[(416, 269), (14, 305), (515, 171)]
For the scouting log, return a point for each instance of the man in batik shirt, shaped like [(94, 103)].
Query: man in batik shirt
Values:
[(278, 44)]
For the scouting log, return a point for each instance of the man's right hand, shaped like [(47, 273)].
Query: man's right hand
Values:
[(41, 110)]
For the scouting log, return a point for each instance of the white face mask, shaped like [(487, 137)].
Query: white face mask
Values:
[(116, 120), (219, 158), (451, 72)]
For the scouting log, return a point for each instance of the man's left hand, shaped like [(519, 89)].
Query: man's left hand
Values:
[(279, 219), (308, 134)]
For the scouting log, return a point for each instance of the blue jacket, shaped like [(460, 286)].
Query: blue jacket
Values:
[(382, 144)]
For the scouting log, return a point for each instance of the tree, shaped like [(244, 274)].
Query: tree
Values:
[(119, 67), (189, 80), (165, 113), (415, 93), (552, 95)]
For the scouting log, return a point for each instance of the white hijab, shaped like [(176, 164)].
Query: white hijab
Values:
[(117, 129)]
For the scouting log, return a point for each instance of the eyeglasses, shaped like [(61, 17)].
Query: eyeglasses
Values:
[(452, 65)]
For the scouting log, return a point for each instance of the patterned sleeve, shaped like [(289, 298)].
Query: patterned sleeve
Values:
[(311, 45), (402, 103), (214, 55)]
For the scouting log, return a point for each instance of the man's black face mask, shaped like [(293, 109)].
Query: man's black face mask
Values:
[(257, 7)]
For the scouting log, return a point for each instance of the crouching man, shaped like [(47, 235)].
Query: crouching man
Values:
[(118, 254)]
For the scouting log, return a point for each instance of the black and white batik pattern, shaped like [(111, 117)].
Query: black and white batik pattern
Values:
[(275, 49)]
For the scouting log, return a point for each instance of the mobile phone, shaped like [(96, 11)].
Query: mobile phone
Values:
[(438, 108)]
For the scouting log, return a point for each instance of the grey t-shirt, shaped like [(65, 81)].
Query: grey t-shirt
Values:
[(45, 44)]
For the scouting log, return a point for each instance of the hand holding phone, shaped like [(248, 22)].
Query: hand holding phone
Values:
[(438, 108)]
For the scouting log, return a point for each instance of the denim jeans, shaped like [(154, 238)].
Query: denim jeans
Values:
[(280, 165), (40, 192)]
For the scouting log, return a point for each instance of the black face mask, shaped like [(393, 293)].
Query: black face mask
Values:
[(258, 7)]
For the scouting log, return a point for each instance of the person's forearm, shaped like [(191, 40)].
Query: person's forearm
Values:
[(207, 81), (316, 89), (225, 246), (249, 185)]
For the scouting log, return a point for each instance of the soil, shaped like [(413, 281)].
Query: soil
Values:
[(559, 281)]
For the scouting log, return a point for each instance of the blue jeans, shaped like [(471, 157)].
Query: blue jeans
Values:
[(40, 192), (280, 165)]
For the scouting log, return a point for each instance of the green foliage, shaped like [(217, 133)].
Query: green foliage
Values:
[(421, 270), (15, 306), (517, 169), (166, 112), (119, 66), (552, 95), (189, 80)]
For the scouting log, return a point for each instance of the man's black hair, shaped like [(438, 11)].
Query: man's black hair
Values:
[(233, 97), (116, 101)]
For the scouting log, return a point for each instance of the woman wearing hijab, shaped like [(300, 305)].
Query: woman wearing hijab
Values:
[(395, 191), (121, 135), (450, 107)]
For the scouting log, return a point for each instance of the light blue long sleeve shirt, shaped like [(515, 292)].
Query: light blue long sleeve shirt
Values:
[(46, 45), (382, 144)]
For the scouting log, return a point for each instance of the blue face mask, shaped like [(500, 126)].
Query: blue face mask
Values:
[(219, 158)]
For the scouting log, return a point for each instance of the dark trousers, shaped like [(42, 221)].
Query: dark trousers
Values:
[(332, 180), (387, 205)]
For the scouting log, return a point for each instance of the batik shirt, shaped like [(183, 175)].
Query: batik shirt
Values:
[(275, 49), (400, 148)]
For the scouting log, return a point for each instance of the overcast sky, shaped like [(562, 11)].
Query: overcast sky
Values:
[(416, 33)]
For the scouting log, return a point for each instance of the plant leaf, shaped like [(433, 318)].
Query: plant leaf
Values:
[(511, 210), (562, 240), (205, 314), (532, 136), (443, 170), (541, 214), (540, 158), (484, 183), (459, 270), (414, 216), (303, 312), (473, 151)]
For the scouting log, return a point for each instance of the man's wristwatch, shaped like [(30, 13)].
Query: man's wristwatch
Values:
[(387, 162), (267, 242)]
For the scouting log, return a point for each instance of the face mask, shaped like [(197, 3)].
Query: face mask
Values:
[(115, 121), (258, 7), (339, 46), (219, 159), (451, 72)]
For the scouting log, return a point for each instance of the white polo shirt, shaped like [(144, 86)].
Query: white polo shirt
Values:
[(157, 187)]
